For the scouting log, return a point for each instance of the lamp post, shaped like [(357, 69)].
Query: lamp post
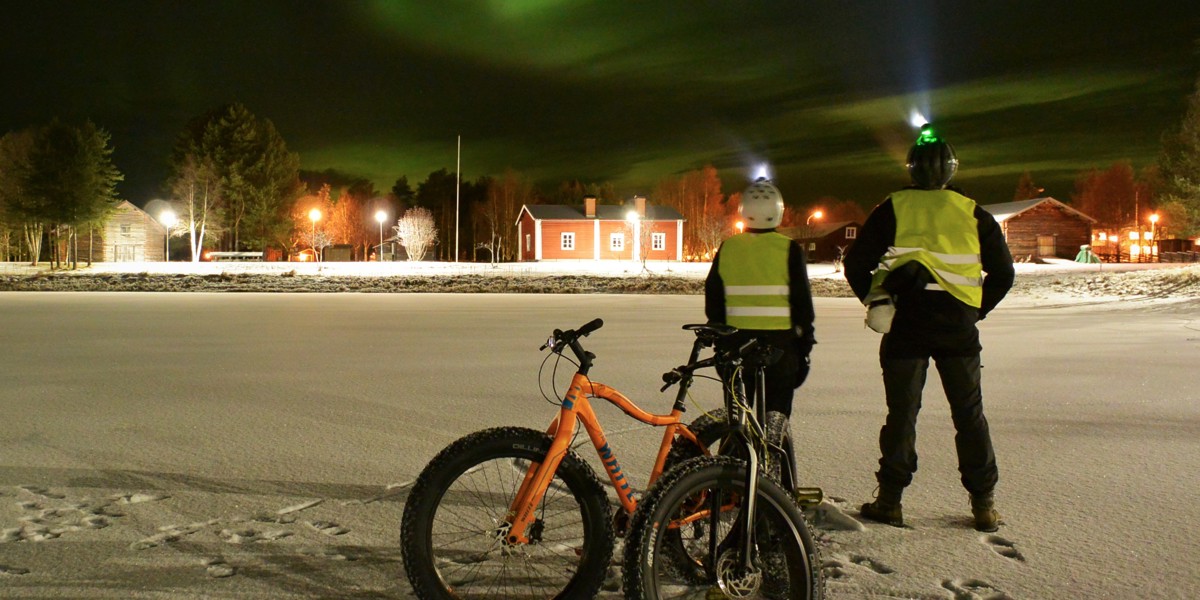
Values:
[(816, 215), (1153, 237), (635, 222), (168, 220), (381, 216), (314, 215)]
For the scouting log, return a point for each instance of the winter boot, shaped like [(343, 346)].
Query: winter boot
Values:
[(886, 508), (983, 507)]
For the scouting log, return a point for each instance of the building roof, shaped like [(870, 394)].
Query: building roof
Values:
[(820, 230), (604, 212), (1004, 211)]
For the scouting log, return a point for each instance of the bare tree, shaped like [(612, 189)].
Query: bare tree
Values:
[(697, 196), (416, 232), (497, 214), (196, 189)]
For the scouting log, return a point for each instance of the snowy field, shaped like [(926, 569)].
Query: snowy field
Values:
[(254, 445)]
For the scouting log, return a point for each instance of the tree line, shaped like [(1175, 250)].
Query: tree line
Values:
[(235, 185)]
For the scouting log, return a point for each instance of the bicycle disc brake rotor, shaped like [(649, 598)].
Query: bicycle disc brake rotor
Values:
[(732, 581)]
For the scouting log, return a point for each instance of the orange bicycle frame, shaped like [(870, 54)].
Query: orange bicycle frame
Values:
[(576, 408)]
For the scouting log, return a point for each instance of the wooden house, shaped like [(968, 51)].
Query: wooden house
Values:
[(600, 232), (824, 242), (129, 234), (1042, 228)]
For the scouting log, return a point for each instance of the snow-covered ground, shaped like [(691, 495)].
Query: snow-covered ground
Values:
[(213, 445), (1038, 282)]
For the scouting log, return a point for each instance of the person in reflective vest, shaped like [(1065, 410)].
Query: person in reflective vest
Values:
[(759, 283), (929, 264)]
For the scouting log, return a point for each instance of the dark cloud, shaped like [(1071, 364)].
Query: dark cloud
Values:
[(627, 92)]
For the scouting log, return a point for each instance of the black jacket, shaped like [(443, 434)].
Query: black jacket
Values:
[(938, 309)]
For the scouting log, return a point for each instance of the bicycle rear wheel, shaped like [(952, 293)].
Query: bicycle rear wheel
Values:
[(452, 534), (679, 510)]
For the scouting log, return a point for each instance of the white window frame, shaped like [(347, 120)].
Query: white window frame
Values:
[(851, 233), (567, 240), (616, 242), (528, 242), (658, 241)]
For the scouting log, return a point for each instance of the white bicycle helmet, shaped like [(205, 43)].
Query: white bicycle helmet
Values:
[(762, 205)]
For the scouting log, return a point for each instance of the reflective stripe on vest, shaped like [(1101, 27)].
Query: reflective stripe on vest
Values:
[(938, 229), (754, 269)]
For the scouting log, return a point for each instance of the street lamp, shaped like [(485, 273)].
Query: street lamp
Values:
[(314, 215), (168, 219), (381, 216), (1153, 239), (816, 215)]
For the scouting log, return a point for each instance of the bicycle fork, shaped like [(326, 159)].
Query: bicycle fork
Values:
[(537, 479)]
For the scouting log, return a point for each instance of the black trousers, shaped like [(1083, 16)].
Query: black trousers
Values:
[(903, 381), (781, 376)]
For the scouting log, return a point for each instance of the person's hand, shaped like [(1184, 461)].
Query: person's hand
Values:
[(802, 369)]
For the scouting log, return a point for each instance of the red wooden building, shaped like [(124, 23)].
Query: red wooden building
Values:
[(824, 242), (600, 232)]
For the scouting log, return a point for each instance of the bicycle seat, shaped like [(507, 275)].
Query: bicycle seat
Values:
[(710, 332)]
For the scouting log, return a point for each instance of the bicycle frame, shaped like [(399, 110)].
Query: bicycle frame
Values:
[(576, 408)]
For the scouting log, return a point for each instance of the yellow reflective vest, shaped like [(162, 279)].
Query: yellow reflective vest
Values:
[(754, 269), (938, 229)]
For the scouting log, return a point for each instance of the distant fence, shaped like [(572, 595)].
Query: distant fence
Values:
[(226, 256), (1179, 257)]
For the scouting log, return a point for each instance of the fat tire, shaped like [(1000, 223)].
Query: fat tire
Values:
[(586, 564), (644, 546), (709, 428)]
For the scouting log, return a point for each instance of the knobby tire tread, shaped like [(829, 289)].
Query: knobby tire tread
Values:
[(693, 473), (499, 443)]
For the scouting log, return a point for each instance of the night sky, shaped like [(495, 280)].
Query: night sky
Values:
[(624, 92)]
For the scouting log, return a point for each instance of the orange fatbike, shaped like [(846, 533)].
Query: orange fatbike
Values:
[(513, 512)]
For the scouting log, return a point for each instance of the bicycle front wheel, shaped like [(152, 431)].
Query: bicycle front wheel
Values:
[(453, 531), (697, 506)]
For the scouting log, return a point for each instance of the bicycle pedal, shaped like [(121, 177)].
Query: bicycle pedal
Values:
[(808, 497)]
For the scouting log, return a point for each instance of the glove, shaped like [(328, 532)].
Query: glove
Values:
[(802, 368)]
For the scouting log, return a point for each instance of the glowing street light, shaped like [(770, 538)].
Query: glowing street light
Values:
[(314, 215), (741, 226), (168, 219), (818, 215), (1153, 222), (381, 216)]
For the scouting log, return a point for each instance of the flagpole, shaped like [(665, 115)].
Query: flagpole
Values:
[(457, 181)]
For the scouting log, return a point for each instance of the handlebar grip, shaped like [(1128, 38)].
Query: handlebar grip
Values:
[(591, 326)]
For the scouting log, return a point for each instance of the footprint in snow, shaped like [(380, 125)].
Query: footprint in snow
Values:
[(138, 498), (328, 527), (38, 490), (836, 568), (217, 567), (872, 564), (973, 589), (1002, 547), (170, 533)]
